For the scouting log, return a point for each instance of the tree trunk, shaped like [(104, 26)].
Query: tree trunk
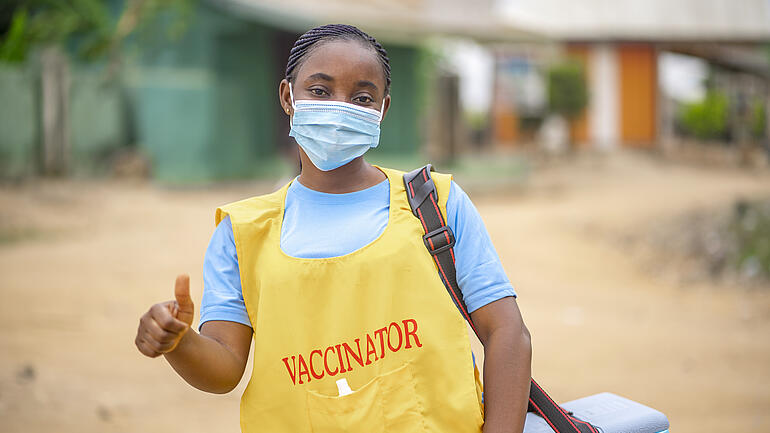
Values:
[(54, 96)]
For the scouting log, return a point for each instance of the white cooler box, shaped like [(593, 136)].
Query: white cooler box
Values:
[(608, 412)]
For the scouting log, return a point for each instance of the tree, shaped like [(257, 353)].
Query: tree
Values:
[(706, 119), (88, 26), (567, 90), (92, 30)]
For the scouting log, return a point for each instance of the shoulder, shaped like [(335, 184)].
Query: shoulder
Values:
[(442, 182), (456, 195), (252, 208), (461, 211)]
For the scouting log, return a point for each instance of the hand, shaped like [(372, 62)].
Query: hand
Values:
[(162, 327)]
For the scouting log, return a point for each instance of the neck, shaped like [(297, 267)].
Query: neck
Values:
[(353, 176)]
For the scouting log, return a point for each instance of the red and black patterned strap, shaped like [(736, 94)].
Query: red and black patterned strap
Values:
[(439, 240)]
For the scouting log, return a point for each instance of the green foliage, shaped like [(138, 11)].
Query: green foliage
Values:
[(14, 46), (707, 119), (567, 90), (766, 48), (88, 26), (173, 15), (477, 120), (758, 119), (751, 228), (54, 21)]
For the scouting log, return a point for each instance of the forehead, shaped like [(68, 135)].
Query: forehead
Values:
[(343, 60)]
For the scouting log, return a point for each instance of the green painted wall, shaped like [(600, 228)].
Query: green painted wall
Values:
[(400, 129), (204, 104), (98, 120), (202, 107), (244, 140), (18, 121)]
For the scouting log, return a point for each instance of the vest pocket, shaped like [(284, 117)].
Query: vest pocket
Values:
[(387, 403)]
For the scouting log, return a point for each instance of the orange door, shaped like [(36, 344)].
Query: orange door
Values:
[(638, 95)]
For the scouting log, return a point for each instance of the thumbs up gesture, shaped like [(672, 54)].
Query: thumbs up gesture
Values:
[(164, 324)]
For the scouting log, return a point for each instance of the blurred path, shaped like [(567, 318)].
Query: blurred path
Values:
[(601, 323), (80, 262)]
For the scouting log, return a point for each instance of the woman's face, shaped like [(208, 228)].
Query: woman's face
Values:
[(339, 70)]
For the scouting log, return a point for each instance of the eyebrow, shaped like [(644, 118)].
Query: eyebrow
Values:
[(325, 77), (320, 75), (364, 83)]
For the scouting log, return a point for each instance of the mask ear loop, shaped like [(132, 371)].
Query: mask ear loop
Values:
[(382, 108), (291, 95), (293, 105)]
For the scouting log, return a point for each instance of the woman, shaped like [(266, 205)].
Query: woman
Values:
[(353, 329)]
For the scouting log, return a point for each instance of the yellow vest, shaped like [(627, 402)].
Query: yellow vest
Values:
[(378, 317)]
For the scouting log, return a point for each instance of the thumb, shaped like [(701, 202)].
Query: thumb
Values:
[(185, 305)]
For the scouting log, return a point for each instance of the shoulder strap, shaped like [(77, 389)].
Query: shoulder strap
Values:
[(438, 237), (439, 240)]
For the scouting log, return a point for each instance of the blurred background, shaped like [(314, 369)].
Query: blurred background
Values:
[(618, 151)]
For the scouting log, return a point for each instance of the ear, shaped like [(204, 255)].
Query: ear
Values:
[(284, 97), (385, 106)]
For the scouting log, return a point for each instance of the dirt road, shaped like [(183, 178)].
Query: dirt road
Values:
[(81, 261)]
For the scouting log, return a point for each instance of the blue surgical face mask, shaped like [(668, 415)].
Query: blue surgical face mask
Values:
[(333, 133)]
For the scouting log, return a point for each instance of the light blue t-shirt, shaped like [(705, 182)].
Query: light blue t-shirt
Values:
[(320, 225)]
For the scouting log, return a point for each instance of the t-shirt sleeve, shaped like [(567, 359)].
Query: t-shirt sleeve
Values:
[(222, 294), (480, 274)]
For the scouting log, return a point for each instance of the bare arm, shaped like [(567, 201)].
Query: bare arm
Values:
[(507, 365), (214, 360), (211, 361)]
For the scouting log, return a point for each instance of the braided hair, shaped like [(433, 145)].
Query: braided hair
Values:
[(330, 32)]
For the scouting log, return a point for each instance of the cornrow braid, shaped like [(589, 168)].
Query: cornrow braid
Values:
[(330, 32)]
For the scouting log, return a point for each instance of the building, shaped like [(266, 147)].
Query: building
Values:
[(620, 44), (203, 106)]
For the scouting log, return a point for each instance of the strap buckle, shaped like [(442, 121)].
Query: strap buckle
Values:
[(434, 243)]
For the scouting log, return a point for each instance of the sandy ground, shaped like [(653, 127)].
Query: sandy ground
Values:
[(81, 261)]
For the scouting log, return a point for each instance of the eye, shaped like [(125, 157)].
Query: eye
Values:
[(363, 99), (316, 91)]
